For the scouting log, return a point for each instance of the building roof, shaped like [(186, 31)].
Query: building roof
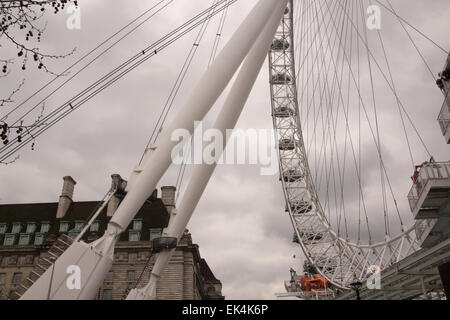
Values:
[(206, 272), (153, 214)]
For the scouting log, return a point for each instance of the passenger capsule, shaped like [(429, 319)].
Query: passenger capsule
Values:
[(284, 112), (280, 44), (292, 176), (311, 236), (301, 207), (281, 78), (287, 144)]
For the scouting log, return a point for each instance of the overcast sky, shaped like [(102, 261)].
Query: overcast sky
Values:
[(240, 223)]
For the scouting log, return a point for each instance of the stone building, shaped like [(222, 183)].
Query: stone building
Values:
[(33, 235)]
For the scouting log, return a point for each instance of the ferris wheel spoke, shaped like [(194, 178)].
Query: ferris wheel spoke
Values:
[(382, 163), (346, 141)]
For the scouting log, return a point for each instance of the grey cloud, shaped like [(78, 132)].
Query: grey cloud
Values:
[(240, 223)]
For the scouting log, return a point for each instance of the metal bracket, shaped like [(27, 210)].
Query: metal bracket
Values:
[(164, 243)]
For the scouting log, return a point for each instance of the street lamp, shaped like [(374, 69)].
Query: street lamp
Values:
[(356, 286), (52, 259), (293, 274)]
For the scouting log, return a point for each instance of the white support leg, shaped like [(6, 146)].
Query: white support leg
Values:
[(94, 260), (227, 119), (197, 106)]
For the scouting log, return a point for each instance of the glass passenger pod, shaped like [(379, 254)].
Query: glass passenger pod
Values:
[(284, 112), (300, 207), (280, 45), (292, 176), (287, 144), (310, 237), (281, 78)]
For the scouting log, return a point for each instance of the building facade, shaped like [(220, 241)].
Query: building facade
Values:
[(32, 236)]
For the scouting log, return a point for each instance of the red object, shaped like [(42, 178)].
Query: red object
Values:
[(317, 283)]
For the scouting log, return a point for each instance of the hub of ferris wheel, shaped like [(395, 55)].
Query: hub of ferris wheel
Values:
[(333, 265)]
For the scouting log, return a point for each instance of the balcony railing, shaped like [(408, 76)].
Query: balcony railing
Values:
[(429, 171)]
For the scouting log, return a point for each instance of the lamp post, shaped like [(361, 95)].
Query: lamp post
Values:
[(356, 286), (52, 259), (293, 274)]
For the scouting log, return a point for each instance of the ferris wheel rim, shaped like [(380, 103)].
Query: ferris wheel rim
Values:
[(342, 245)]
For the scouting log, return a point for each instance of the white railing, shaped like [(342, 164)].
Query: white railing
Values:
[(429, 171)]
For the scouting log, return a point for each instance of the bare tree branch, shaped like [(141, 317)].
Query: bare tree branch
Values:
[(23, 18)]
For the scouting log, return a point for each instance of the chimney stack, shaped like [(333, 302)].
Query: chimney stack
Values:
[(65, 199), (168, 197), (113, 204)]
